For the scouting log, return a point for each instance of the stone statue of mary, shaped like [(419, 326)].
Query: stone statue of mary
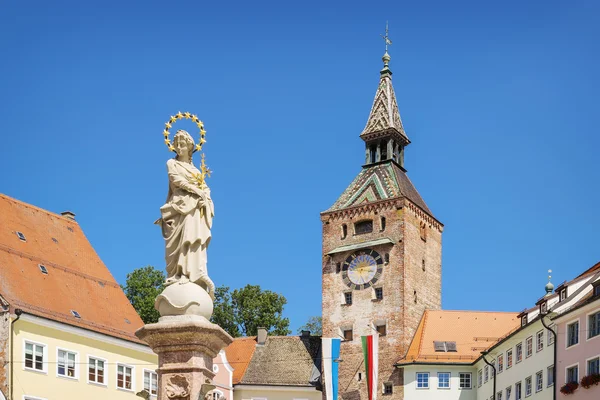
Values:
[(186, 219)]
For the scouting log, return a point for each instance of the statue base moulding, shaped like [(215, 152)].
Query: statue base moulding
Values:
[(186, 346)]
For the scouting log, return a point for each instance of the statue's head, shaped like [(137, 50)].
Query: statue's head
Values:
[(183, 143)]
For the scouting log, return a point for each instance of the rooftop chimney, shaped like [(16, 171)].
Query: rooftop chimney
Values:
[(69, 215), (261, 338), (305, 334)]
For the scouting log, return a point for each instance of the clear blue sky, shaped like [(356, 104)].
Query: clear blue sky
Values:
[(500, 102)]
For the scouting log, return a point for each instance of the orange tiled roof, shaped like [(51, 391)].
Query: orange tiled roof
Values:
[(76, 280), (239, 353), (473, 332)]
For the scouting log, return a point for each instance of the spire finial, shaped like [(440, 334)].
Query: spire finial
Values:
[(549, 285), (386, 57)]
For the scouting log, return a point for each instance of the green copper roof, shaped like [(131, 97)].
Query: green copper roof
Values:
[(379, 182), (362, 245)]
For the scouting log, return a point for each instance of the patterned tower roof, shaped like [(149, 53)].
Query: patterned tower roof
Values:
[(384, 114)]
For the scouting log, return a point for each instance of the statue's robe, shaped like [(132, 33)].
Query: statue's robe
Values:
[(186, 223)]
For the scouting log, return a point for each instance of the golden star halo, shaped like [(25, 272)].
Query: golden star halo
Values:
[(184, 115)]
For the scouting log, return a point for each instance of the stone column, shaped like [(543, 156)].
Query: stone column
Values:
[(186, 346)]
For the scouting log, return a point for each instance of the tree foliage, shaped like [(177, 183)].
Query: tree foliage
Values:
[(314, 325), (244, 310), (141, 288)]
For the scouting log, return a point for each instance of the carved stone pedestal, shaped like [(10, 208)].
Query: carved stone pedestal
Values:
[(186, 346)]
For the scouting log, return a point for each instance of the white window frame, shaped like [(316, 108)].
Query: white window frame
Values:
[(508, 391), (527, 354), (417, 381), (571, 366), (76, 376), (439, 380), (383, 385), (460, 387), (44, 369), (120, 364), (575, 321), (486, 373), (479, 378), (539, 341), (87, 371), (144, 382), (530, 378), (500, 363), (587, 371), (553, 375), (518, 346), (550, 339), (510, 360), (587, 324), (520, 391), (217, 391), (26, 397), (540, 374)]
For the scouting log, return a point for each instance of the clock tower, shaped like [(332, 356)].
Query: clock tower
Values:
[(382, 255)]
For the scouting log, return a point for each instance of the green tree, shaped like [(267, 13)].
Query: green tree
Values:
[(244, 310), (314, 325), (141, 288)]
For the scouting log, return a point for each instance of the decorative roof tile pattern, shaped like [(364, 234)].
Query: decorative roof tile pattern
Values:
[(384, 112), (379, 182), (76, 278), (473, 332), (239, 353), (285, 361)]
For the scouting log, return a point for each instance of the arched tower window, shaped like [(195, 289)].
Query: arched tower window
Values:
[(344, 231), (382, 224)]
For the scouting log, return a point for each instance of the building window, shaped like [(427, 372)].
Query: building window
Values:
[(596, 290), (21, 236), (539, 381), (539, 340), (563, 294), (348, 298), (550, 375), (543, 308), (217, 394), (518, 391), (35, 356), (572, 374), (550, 335), (499, 395), (479, 378), (509, 358), (594, 325), (344, 231), (573, 334), (443, 380), (338, 268), (508, 392), (66, 364), (383, 223), (359, 376), (381, 329), (423, 231), (486, 373), (423, 264), (388, 388), (528, 386), (124, 377), (348, 334), (529, 347), (465, 380), (422, 380), (96, 371), (43, 269), (386, 258), (363, 227), (500, 363), (524, 320), (379, 293), (593, 366), (493, 369), (519, 352), (151, 382)]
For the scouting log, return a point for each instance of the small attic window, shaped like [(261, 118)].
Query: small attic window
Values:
[(75, 314), (55, 240), (21, 236), (444, 346), (563, 294), (43, 269), (524, 320), (101, 284), (544, 307), (451, 346), (70, 229), (127, 321)]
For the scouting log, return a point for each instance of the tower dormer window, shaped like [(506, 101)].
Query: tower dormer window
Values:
[(383, 146), (423, 231), (363, 227), (344, 231), (373, 153), (383, 221)]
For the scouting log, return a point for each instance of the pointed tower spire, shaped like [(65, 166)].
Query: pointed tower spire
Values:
[(384, 133)]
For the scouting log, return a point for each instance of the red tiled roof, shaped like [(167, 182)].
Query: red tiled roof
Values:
[(239, 353), (76, 280)]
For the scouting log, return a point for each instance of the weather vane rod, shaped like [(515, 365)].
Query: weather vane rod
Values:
[(386, 37)]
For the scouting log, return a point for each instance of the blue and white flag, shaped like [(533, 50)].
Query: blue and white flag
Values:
[(331, 354)]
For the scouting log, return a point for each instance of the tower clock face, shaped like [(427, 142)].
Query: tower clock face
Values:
[(362, 269)]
